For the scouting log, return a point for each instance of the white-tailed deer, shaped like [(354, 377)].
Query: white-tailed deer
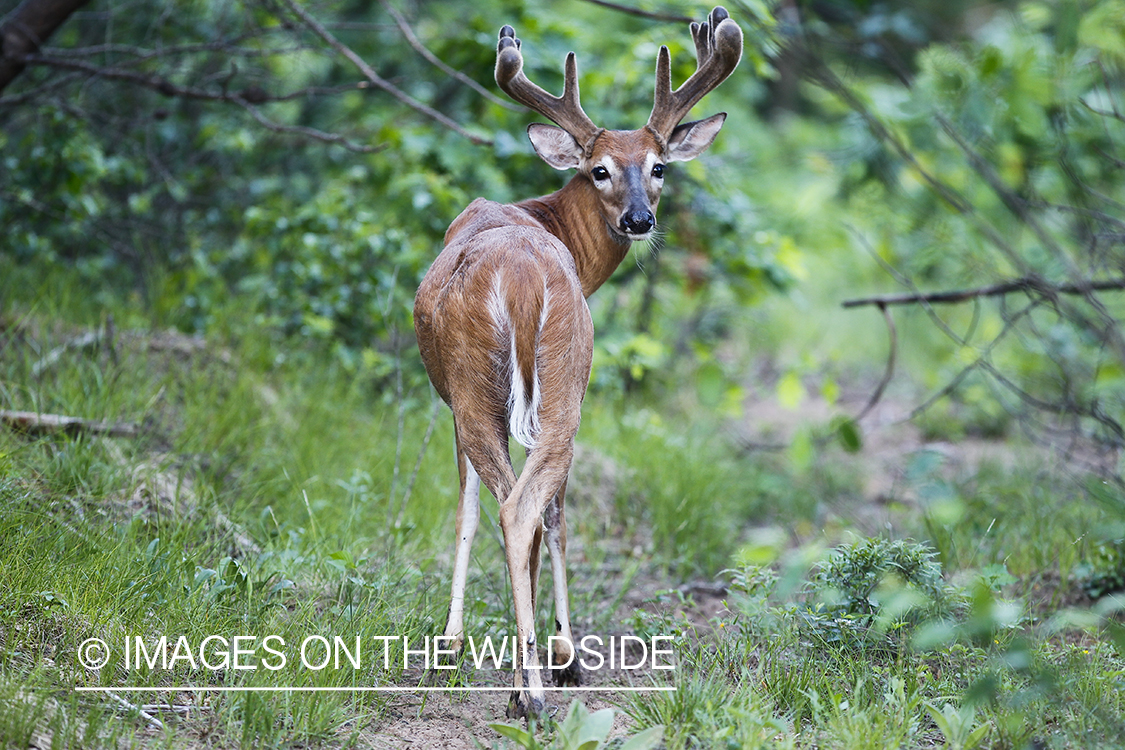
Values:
[(503, 326)]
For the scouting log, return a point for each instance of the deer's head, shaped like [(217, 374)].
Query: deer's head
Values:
[(626, 167)]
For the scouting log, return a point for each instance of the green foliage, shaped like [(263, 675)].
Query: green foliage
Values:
[(958, 726), (875, 585), (687, 486), (202, 210), (581, 730), (992, 166), (1104, 571)]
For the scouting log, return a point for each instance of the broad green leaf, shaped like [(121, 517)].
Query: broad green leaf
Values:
[(521, 736), (645, 740)]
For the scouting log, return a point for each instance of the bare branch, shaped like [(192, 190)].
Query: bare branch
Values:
[(1067, 407), (45, 424), (368, 72), (226, 46), (1110, 328), (825, 77), (672, 17), (909, 284), (1026, 284), (39, 91), (246, 98), (253, 94), (951, 386), (408, 34), (307, 132)]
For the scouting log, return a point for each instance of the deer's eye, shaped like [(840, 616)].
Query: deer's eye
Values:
[(599, 173), (658, 171)]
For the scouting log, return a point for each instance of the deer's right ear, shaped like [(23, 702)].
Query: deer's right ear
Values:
[(555, 146)]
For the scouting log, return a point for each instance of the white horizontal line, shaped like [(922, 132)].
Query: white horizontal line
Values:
[(359, 689)]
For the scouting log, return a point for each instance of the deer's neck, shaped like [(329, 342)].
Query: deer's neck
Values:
[(574, 216)]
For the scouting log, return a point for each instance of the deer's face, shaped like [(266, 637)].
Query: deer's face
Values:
[(627, 170), (626, 167)]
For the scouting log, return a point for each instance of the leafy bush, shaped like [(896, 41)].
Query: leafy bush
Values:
[(874, 586)]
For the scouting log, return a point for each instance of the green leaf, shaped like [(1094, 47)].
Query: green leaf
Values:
[(1116, 633), (521, 736), (645, 740), (790, 390), (595, 728), (849, 435), (977, 735)]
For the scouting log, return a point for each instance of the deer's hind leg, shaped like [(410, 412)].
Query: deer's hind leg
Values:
[(468, 517), (477, 445)]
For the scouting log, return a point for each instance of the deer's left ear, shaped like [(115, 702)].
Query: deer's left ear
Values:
[(692, 138), (555, 146)]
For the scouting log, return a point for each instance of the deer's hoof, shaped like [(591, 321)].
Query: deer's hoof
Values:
[(520, 707), (517, 709), (450, 652), (568, 676)]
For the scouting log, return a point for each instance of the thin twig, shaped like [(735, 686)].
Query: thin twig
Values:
[(909, 284), (247, 98), (319, 135), (85, 341), (892, 353), (826, 78), (317, 28), (253, 95), (132, 707), (1068, 407), (643, 13), (412, 40), (952, 385), (155, 82), (1110, 328)]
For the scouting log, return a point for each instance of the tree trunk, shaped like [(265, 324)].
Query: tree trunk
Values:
[(25, 29)]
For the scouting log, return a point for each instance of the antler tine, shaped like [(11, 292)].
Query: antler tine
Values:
[(718, 49), (565, 111)]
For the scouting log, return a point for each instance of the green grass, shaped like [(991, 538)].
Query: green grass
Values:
[(254, 502), (262, 498)]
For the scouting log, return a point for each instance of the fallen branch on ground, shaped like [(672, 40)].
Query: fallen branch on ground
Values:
[(46, 424)]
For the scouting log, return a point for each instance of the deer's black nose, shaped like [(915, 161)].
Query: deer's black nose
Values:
[(638, 222)]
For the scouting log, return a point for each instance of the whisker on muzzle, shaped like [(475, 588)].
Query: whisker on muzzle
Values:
[(649, 248)]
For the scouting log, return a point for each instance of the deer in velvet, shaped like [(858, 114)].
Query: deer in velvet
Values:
[(505, 333)]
